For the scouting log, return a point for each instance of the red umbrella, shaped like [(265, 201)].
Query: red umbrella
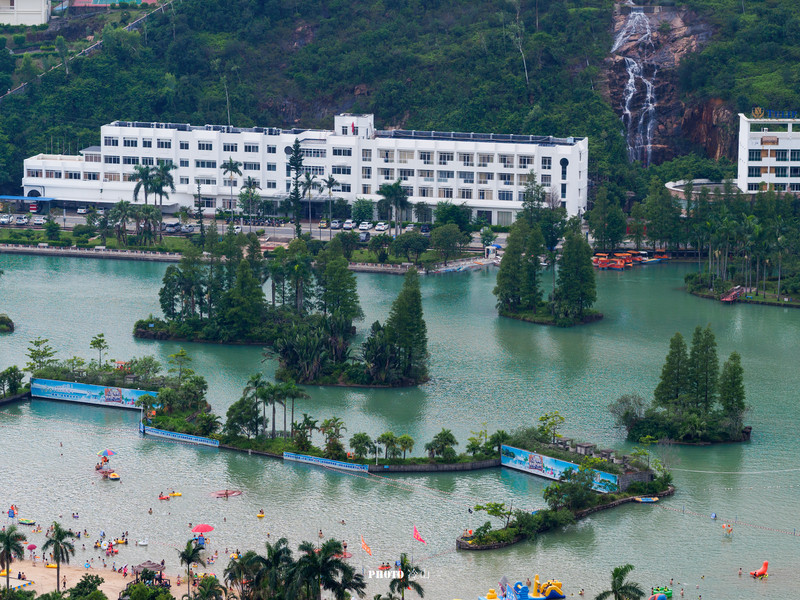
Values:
[(31, 546), (203, 528)]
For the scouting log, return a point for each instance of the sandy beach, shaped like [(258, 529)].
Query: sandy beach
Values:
[(43, 580)]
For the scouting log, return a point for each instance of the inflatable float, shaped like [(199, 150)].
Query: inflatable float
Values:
[(762, 572), (163, 497), (52, 566), (657, 597), (26, 522), (173, 494), (113, 477), (663, 591), (260, 515), (141, 542), (646, 499), (549, 590)]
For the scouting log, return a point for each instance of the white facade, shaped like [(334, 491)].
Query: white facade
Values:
[(487, 172), (769, 151), (24, 12)]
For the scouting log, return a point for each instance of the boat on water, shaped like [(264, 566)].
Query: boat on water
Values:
[(600, 261), (616, 264), (646, 499)]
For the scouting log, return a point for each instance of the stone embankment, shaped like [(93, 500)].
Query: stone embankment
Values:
[(96, 252)]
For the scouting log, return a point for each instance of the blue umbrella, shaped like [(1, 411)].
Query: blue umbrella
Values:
[(106, 453)]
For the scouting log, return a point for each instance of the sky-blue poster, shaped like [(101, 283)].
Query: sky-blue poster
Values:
[(552, 468), (87, 394)]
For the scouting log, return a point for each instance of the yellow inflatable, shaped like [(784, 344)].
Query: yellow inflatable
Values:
[(260, 515), (173, 494), (52, 566)]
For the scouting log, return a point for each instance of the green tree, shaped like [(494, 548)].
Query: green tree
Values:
[(606, 221), (143, 175), (295, 197), (662, 213), (40, 354), (162, 183), (550, 423), (447, 213), (191, 553), (309, 184), (243, 418), (389, 442), (442, 445), (448, 240), (408, 331), (11, 540), (637, 225), (411, 242), (362, 210), (405, 443), (361, 444), (397, 198), (231, 168), (339, 291), (508, 289), (621, 588), (100, 344), (348, 241), (576, 291), (703, 369), (732, 395), (321, 568), (11, 379), (52, 230), (673, 385), (60, 544), (180, 361), (242, 307), (405, 580)]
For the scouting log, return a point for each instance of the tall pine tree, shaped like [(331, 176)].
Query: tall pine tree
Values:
[(508, 289), (704, 369), (575, 291), (732, 396), (530, 286), (673, 387), (407, 329)]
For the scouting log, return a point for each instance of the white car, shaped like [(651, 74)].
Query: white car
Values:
[(81, 210), (348, 224), (365, 226), (409, 228), (101, 211), (5, 219), (38, 220), (21, 220), (381, 226)]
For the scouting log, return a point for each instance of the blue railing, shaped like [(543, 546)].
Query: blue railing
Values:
[(324, 462), (178, 437)]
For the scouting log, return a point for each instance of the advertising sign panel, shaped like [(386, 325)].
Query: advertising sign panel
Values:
[(86, 393), (551, 468)]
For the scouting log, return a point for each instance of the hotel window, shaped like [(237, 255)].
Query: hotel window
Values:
[(507, 178), (425, 157), (345, 130), (485, 159), (130, 142), (754, 171), (366, 172), (781, 155), (51, 174), (110, 159), (546, 180), (403, 156), (386, 155), (794, 187), (408, 189), (467, 159), (563, 190), (207, 202), (184, 181), (445, 158), (205, 164), (425, 192), (507, 161), (147, 143), (205, 181), (781, 172), (406, 174), (110, 141), (92, 158), (345, 187), (505, 195), (164, 161), (485, 178), (165, 144), (366, 155), (130, 160), (184, 145), (753, 187), (425, 174), (205, 146), (343, 152), (465, 193), (366, 189), (271, 185), (341, 170), (504, 218), (313, 170), (148, 161), (547, 163), (90, 176), (184, 162), (525, 162), (466, 176), (34, 173), (795, 155), (228, 147), (445, 192), (754, 155), (252, 166), (230, 182), (780, 187), (111, 177), (522, 179), (387, 174), (564, 164), (272, 167), (444, 175), (315, 152), (254, 148), (794, 172), (128, 177)]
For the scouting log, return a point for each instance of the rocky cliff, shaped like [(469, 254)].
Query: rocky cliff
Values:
[(649, 44)]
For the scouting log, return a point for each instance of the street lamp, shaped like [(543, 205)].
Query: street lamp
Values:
[(377, 448)]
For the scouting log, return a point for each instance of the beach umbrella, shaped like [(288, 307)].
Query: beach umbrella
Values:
[(106, 452), (31, 546), (202, 528)]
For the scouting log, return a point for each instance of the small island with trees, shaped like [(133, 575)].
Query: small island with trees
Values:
[(694, 402)]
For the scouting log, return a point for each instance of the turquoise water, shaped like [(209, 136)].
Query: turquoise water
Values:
[(484, 370)]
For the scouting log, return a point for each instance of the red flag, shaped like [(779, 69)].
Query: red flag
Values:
[(417, 536), (365, 547), (353, 127)]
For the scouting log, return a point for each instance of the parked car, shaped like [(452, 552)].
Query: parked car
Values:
[(425, 230), (409, 228), (323, 224), (336, 224), (365, 226), (188, 228), (363, 236), (348, 224), (38, 220), (21, 220), (237, 229), (381, 226), (100, 210), (172, 228), (5, 219), (82, 210)]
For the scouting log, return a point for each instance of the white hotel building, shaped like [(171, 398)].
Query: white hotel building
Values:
[(487, 172), (769, 151)]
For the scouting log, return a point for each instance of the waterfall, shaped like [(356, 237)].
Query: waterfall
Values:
[(639, 94)]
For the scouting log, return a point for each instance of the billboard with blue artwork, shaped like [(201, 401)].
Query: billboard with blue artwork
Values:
[(551, 468), (86, 393)]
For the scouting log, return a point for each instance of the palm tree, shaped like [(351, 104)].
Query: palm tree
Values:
[(406, 443), (231, 168), (329, 183), (621, 589), (257, 388), (10, 548), (163, 181), (251, 185), (118, 217), (59, 542), (210, 589), (151, 217), (289, 391), (321, 568), (143, 176), (309, 184), (190, 554), (245, 573), (277, 564), (397, 198), (405, 581)]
